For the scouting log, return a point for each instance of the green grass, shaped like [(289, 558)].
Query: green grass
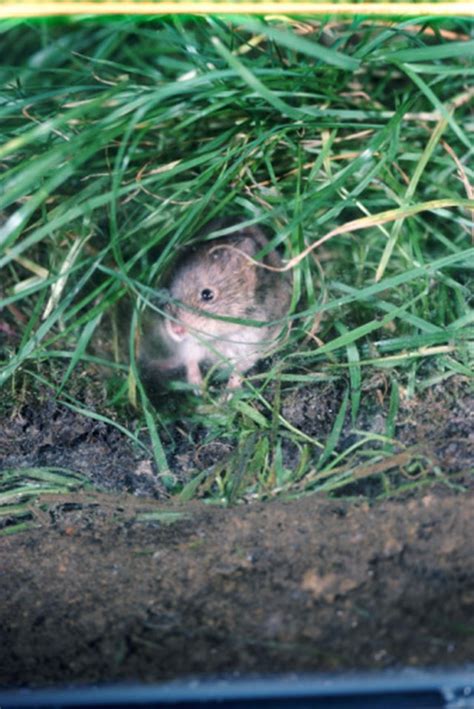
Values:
[(19, 490), (121, 138)]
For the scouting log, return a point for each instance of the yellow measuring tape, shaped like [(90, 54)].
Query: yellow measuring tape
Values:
[(265, 7)]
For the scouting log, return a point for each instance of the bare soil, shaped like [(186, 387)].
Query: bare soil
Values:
[(98, 592)]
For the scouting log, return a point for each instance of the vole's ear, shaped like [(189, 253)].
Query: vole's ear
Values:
[(232, 253), (252, 239), (248, 245)]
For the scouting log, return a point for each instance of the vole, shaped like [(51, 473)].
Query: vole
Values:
[(211, 280)]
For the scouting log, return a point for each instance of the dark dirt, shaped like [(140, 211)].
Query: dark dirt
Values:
[(98, 592)]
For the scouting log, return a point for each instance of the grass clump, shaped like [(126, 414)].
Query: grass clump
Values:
[(351, 141), (20, 488)]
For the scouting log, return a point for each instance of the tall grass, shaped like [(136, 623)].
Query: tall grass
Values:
[(121, 138)]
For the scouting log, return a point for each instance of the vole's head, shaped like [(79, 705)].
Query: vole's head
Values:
[(213, 278)]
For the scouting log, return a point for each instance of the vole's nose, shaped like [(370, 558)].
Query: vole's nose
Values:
[(177, 331)]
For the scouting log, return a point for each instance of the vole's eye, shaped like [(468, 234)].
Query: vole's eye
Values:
[(207, 294)]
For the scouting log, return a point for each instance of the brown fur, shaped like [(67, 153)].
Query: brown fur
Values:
[(241, 289)]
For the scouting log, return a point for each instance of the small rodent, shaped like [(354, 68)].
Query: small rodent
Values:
[(214, 278)]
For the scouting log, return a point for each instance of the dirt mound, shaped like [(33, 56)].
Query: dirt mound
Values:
[(114, 586), (307, 585)]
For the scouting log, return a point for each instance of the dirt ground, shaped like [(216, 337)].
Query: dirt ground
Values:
[(98, 592)]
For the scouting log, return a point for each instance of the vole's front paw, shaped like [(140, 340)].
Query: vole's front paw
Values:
[(194, 377), (235, 381)]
